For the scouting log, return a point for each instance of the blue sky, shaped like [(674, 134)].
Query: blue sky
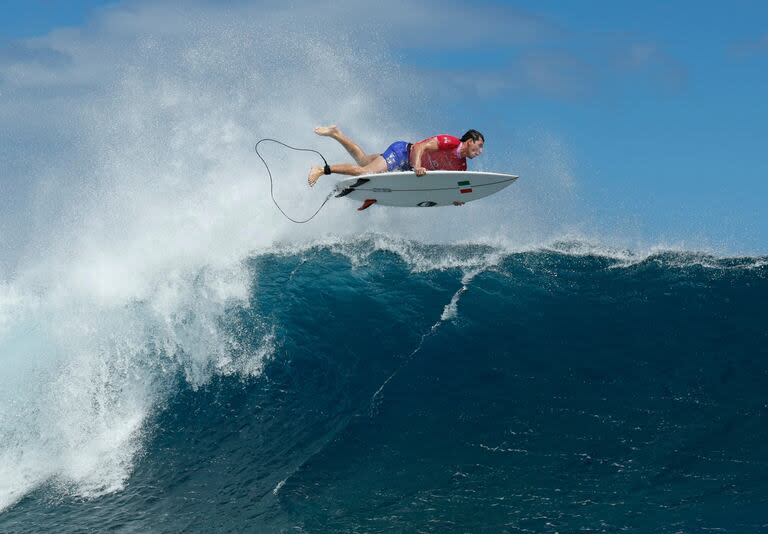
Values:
[(36, 17), (661, 108)]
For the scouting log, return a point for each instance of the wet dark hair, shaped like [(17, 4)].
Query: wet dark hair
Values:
[(472, 134)]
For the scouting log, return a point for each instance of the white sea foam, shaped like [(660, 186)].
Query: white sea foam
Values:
[(451, 309)]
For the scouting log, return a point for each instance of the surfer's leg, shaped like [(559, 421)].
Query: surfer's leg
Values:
[(376, 166), (357, 153)]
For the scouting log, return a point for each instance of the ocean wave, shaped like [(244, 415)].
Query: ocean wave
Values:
[(323, 338)]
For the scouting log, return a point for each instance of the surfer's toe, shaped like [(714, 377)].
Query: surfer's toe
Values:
[(314, 175)]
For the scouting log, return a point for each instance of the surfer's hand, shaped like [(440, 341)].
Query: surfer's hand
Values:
[(458, 203), (420, 171)]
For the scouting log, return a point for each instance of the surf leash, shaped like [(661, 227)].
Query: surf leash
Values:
[(326, 170)]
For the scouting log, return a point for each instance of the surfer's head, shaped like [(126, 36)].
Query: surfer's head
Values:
[(473, 142)]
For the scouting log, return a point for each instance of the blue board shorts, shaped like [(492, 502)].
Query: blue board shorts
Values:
[(398, 156)]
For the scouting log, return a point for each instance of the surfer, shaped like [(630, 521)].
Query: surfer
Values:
[(440, 152)]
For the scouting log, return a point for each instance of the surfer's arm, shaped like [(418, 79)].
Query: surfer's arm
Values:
[(418, 151)]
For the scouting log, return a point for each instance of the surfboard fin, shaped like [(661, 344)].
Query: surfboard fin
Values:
[(367, 203), (347, 190)]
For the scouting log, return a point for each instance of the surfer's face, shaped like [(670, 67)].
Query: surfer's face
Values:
[(474, 148)]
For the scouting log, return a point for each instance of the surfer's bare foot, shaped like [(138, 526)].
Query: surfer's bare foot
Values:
[(328, 131), (314, 175)]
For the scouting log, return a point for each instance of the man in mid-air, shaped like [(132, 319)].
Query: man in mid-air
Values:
[(441, 152)]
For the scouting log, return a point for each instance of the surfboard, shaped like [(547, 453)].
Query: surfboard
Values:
[(436, 188)]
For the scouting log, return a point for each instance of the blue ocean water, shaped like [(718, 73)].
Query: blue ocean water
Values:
[(456, 388)]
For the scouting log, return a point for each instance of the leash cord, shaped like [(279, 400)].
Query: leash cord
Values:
[(271, 181)]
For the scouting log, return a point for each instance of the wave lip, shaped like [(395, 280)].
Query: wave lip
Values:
[(424, 256)]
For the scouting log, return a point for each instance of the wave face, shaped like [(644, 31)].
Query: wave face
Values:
[(375, 384)]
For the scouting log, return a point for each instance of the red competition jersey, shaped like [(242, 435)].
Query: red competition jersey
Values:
[(446, 158)]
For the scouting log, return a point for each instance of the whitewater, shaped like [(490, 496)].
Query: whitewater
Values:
[(177, 355)]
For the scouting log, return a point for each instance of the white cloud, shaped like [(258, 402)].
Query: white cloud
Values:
[(647, 57), (750, 48)]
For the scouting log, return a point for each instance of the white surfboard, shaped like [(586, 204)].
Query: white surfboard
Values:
[(436, 188)]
